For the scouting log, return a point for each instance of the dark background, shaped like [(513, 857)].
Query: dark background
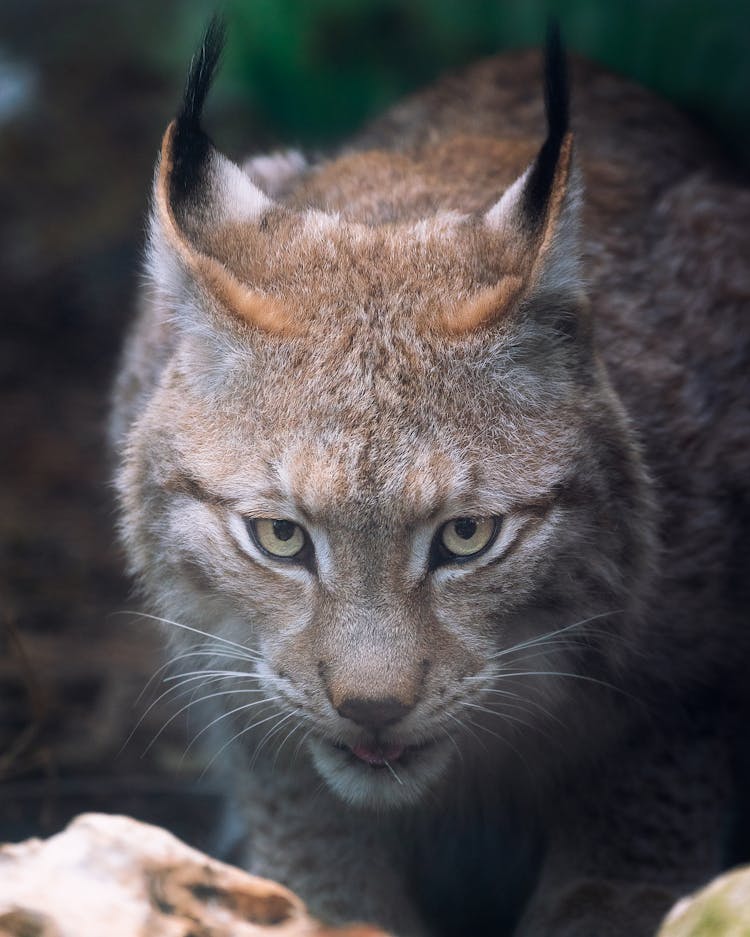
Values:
[(86, 88)]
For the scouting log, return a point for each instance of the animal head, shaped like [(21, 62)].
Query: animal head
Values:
[(382, 455)]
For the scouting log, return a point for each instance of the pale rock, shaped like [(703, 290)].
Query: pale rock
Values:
[(113, 876), (721, 909)]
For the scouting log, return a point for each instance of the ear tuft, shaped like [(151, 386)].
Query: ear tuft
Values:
[(538, 184), (202, 71), (536, 220), (190, 145), (197, 192)]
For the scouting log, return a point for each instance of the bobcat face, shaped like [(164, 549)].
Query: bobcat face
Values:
[(384, 459)]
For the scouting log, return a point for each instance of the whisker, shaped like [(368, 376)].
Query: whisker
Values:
[(294, 729), (193, 702), (481, 725), (195, 652), (390, 767), (271, 732), (301, 742), (154, 703), (538, 639), (205, 634), (234, 738), (543, 649), (501, 715), (213, 673), (466, 727), (215, 677), (565, 644), (454, 744), (509, 744), (227, 714), (522, 703), (561, 673), (517, 700)]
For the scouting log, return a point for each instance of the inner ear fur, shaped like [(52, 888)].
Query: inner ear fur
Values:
[(179, 220), (542, 251)]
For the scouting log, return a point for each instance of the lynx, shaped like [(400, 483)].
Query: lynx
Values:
[(433, 458)]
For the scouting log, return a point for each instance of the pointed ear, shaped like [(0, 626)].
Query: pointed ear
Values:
[(536, 221), (539, 219), (196, 192)]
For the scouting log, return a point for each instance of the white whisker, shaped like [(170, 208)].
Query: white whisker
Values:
[(205, 634), (237, 735), (522, 703), (289, 734), (390, 767), (204, 650), (301, 742), (227, 714), (465, 727), (271, 732), (540, 639), (213, 673), (195, 677), (193, 702), (172, 691), (561, 673), (501, 715), (510, 745)]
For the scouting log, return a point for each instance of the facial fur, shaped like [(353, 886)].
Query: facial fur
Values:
[(371, 376)]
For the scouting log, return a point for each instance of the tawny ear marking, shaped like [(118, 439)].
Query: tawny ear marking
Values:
[(481, 310), (263, 312), (197, 189)]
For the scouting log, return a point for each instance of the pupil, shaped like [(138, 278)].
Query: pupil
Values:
[(283, 530), (465, 527)]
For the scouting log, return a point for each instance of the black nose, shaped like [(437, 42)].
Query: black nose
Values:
[(373, 713)]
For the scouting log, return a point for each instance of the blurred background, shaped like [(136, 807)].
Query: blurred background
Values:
[(86, 88)]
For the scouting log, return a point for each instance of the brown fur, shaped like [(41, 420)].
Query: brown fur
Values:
[(256, 309), (391, 346)]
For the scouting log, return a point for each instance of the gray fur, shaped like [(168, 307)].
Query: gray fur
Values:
[(602, 412)]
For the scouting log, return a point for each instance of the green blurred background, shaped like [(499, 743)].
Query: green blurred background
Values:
[(315, 69), (86, 89)]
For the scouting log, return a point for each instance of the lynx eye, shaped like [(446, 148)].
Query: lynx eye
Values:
[(464, 537), (280, 538)]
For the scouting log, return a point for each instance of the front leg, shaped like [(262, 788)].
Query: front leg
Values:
[(633, 838), (342, 862)]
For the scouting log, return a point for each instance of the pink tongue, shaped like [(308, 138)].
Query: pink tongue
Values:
[(378, 756)]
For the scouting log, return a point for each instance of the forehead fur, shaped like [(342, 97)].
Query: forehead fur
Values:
[(321, 265), (369, 417), (463, 173), (363, 390)]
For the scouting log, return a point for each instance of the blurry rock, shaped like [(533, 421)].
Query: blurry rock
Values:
[(721, 909), (115, 876)]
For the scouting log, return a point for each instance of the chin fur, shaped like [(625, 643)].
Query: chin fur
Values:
[(403, 784)]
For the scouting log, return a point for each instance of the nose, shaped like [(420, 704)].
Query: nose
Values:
[(373, 713)]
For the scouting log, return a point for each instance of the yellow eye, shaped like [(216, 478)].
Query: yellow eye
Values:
[(466, 536), (278, 537)]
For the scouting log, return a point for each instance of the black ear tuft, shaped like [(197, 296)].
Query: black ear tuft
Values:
[(203, 68), (557, 108), (190, 145)]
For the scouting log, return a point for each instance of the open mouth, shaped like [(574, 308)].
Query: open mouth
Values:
[(372, 773), (383, 756)]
